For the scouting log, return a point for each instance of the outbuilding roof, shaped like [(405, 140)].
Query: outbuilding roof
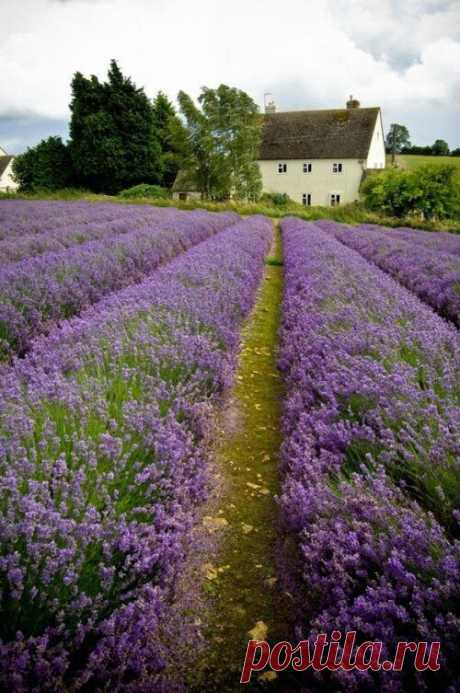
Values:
[(185, 181), (342, 133)]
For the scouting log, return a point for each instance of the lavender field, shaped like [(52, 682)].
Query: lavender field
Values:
[(429, 265), (43, 288), (121, 331)]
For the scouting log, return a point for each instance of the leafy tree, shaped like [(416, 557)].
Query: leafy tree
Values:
[(223, 142), (455, 152), (47, 165), (415, 149), (429, 190), (397, 138), (112, 133), (201, 158), (172, 138), (440, 148), (437, 191)]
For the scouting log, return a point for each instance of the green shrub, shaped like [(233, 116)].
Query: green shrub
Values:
[(145, 190), (277, 199), (430, 191)]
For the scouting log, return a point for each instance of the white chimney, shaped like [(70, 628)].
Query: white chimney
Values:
[(269, 104)]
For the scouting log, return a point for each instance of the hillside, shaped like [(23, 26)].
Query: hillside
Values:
[(413, 160)]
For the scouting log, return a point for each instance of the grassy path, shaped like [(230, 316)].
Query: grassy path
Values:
[(241, 579)]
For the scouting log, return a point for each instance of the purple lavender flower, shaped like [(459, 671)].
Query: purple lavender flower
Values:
[(41, 290), (428, 267)]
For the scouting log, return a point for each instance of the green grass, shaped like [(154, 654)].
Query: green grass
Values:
[(412, 161), (247, 456)]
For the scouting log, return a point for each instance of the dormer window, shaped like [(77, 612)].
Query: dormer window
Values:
[(307, 167), (282, 168), (337, 168)]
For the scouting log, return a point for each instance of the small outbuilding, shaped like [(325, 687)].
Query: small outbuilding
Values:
[(184, 187)]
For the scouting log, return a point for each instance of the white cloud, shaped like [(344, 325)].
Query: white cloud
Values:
[(398, 31), (309, 54)]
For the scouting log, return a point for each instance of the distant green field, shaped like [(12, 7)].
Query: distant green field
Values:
[(413, 160)]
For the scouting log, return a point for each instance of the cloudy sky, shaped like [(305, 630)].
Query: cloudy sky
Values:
[(401, 55)]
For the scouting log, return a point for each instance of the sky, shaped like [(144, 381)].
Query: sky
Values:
[(402, 55)]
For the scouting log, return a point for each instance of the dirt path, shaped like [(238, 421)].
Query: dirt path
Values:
[(241, 577)]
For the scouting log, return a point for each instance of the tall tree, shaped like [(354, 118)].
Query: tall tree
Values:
[(224, 141), (397, 139), (440, 148), (112, 134), (47, 165), (172, 137)]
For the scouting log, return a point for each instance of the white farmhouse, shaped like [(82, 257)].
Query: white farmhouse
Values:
[(320, 157), (7, 184), (315, 157)]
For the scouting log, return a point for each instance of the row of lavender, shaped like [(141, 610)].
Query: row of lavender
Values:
[(39, 291), (34, 228), (25, 217), (429, 268), (102, 428), (441, 241), (370, 462)]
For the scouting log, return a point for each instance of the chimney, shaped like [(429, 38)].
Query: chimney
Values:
[(270, 106), (353, 103)]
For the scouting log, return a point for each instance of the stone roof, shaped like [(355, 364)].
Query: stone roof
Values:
[(184, 182), (4, 161), (343, 133)]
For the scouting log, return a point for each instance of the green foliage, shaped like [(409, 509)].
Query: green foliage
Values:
[(172, 137), (397, 138), (276, 199), (391, 192), (223, 143), (440, 148), (455, 152), (273, 261), (113, 142), (46, 166), (429, 190), (145, 190), (415, 149)]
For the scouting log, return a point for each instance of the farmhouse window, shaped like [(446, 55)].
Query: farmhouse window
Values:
[(282, 168), (182, 196), (307, 167), (337, 168), (335, 199), (306, 199)]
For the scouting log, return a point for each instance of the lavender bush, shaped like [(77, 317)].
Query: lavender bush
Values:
[(370, 465), (432, 275), (441, 241), (33, 232), (102, 453), (26, 217), (38, 291)]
